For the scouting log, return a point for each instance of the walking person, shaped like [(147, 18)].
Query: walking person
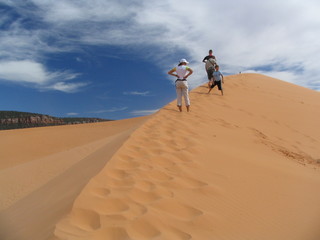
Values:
[(210, 62), (182, 72), (217, 80)]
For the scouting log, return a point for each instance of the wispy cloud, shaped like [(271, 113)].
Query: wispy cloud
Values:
[(137, 93), (143, 112), (109, 110), (72, 114), (66, 87)]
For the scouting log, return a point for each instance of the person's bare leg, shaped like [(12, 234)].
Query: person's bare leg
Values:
[(188, 108), (210, 83), (180, 108)]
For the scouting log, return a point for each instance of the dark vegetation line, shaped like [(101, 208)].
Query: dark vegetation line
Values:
[(15, 120)]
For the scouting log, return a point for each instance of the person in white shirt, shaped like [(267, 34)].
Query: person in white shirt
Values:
[(182, 72)]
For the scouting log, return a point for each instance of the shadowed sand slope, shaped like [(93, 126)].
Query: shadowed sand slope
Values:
[(243, 166), (44, 169)]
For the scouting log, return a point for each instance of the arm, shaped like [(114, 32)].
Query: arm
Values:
[(190, 72), (171, 72), (204, 60), (222, 77)]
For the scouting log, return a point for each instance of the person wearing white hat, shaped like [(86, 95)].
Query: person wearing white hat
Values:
[(182, 72)]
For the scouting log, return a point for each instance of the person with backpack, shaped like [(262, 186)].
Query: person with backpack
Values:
[(210, 62), (217, 80), (182, 72)]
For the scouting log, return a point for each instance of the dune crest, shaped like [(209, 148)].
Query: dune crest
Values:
[(241, 166)]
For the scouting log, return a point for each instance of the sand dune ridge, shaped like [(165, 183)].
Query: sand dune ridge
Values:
[(241, 166)]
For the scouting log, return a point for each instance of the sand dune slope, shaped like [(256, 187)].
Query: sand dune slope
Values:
[(44, 169), (244, 166)]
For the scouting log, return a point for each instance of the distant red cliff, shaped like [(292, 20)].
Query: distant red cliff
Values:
[(13, 120)]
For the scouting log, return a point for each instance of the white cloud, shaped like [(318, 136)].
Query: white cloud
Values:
[(83, 10), (244, 34), (23, 71), (143, 112), (66, 87), (35, 75), (137, 93)]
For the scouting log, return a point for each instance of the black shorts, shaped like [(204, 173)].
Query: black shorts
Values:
[(218, 83)]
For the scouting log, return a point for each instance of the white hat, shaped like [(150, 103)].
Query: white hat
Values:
[(183, 61)]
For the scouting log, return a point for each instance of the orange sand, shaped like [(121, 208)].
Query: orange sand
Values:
[(244, 166), (44, 169)]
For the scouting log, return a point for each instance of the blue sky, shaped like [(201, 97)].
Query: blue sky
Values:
[(110, 58)]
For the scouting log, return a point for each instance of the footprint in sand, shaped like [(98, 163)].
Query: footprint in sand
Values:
[(225, 124), (163, 162), (109, 206), (85, 219), (126, 165), (157, 175), (143, 197), (144, 185), (164, 192), (117, 174), (135, 210), (143, 230), (115, 183), (101, 192), (182, 157), (177, 210), (117, 233), (187, 182), (107, 220), (174, 233)]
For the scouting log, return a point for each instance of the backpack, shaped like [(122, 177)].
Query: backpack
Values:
[(210, 63)]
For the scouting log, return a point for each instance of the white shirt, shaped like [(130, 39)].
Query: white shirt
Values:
[(181, 71)]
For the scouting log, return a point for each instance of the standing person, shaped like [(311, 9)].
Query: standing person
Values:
[(182, 72), (210, 62), (217, 80)]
